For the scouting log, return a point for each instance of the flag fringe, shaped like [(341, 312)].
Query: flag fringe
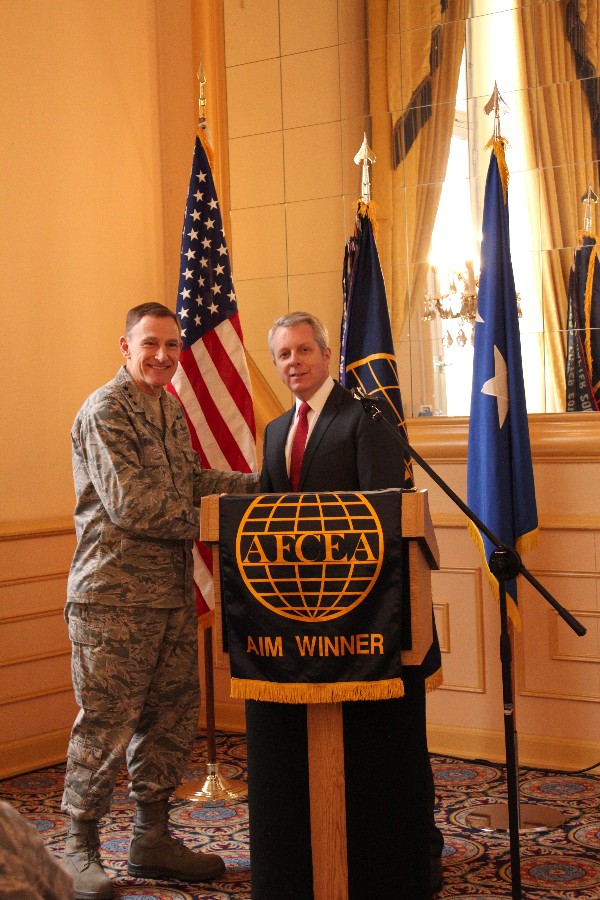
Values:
[(368, 210), (434, 681), (511, 606), (528, 541), (336, 692), (591, 234), (498, 145)]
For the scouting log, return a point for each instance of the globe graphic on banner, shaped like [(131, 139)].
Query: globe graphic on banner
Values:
[(377, 374), (310, 557)]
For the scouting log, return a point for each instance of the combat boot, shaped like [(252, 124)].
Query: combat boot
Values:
[(81, 860), (154, 853)]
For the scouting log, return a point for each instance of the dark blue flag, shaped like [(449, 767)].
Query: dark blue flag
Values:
[(367, 359), (500, 487), (583, 327)]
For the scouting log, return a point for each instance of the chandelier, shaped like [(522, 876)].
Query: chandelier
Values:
[(459, 301)]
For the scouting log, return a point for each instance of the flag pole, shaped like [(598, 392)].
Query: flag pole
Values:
[(527, 816), (212, 786)]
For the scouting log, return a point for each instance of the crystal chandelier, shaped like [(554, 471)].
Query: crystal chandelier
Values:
[(459, 301)]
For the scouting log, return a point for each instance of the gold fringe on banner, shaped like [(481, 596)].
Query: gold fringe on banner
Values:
[(336, 692)]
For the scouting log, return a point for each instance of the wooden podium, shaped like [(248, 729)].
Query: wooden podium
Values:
[(324, 720)]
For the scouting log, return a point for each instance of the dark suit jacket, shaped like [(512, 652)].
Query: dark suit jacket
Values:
[(388, 818), (346, 451)]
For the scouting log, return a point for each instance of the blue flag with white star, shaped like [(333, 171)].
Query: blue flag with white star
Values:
[(500, 487)]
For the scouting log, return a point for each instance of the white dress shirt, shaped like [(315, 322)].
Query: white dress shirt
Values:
[(316, 403)]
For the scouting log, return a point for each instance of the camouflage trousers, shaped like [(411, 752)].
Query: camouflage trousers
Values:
[(135, 677)]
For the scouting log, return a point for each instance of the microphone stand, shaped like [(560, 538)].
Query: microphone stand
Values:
[(505, 564)]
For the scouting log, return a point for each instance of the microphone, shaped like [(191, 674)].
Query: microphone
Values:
[(368, 403)]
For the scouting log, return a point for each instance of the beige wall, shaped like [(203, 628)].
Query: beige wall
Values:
[(557, 689), (84, 217), (98, 111), (296, 102)]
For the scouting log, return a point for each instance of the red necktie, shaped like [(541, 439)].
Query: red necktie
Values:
[(298, 444)]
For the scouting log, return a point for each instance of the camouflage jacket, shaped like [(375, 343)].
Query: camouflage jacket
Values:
[(138, 491)]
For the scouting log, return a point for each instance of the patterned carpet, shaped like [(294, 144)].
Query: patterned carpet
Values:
[(558, 864)]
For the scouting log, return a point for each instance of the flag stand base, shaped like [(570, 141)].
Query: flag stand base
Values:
[(212, 788), (532, 817)]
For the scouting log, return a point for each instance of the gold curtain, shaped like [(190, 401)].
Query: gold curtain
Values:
[(561, 124), (415, 52)]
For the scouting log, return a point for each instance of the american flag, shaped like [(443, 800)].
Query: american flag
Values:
[(212, 379)]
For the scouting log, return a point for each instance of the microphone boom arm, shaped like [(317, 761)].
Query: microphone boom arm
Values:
[(505, 563)]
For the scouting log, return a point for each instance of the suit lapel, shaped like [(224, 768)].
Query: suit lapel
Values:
[(327, 416), (280, 429)]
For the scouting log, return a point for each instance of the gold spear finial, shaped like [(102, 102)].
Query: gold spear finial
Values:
[(587, 199), (494, 104), (365, 156)]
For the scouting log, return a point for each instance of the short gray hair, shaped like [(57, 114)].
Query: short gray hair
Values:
[(290, 320)]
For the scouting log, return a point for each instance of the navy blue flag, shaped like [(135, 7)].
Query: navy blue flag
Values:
[(583, 326), (500, 487), (212, 380), (367, 359)]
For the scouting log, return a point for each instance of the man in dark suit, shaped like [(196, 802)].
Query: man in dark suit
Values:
[(389, 786)]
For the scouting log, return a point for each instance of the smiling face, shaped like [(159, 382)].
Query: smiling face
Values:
[(301, 363), (151, 351)]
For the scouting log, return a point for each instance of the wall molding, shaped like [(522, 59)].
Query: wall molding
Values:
[(537, 751), (37, 752), (554, 437), (36, 528), (35, 657), (66, 688), (546, 522), (32, 616)]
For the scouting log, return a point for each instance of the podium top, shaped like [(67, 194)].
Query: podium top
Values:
[(416, 522)]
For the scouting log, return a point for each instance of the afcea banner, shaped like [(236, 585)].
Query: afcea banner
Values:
[(312, 595)]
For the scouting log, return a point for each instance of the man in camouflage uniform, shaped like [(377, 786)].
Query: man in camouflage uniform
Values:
[(130, 607)]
